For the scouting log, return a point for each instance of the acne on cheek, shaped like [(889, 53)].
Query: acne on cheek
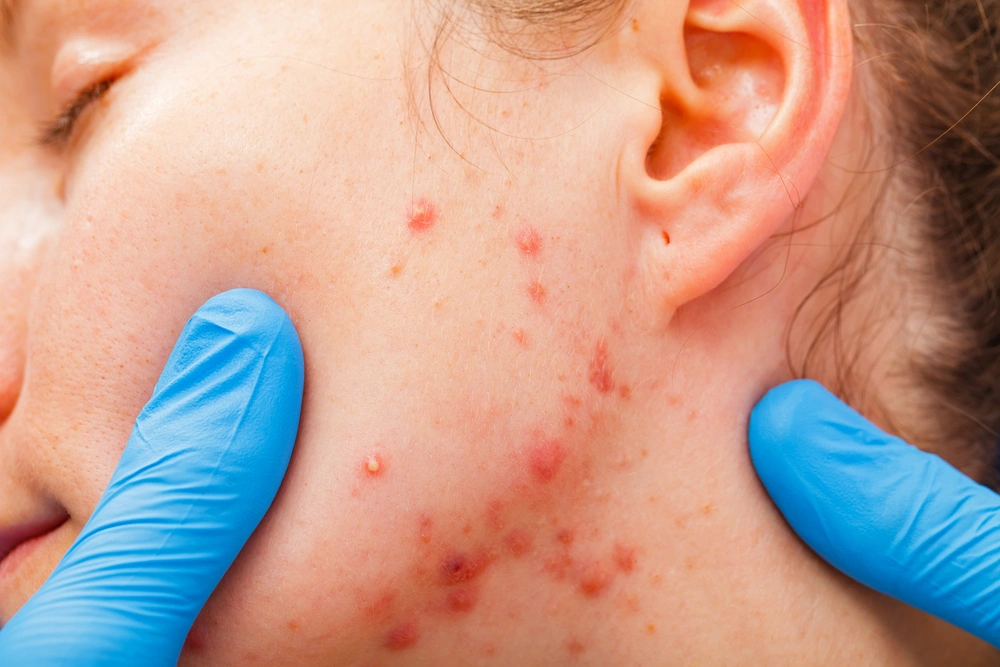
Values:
[(529, 527)]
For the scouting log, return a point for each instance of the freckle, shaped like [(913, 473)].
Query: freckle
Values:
[(565, 536), (518, 542), (467, 529), (260, 166), (625, 391), (461, 599), (537, 292), (635, 25), (644, 453), (293, 624), (401, 637), (421, 216), (263, 250), (497, 212), (624, 558), (594, 580), (396, 271), (707, 510), (546, 458), (651, 629), (600, 370), (374, 465), (529, 241)]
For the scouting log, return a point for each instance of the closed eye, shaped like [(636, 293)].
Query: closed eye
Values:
[(58, 132)]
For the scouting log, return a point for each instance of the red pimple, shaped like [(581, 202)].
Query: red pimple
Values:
[(520, 337), (537, 292), (374, 465), (518, 542), (624, 558), (594, 579), (546, 458), (600, 369), (461, 599), (529, 241), (459, 568), (401, 637), (421, 215)]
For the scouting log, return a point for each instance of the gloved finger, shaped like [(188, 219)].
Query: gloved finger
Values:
[(894, 518), (201, 468)]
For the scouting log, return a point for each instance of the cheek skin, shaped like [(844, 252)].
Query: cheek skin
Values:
[(528, 519)]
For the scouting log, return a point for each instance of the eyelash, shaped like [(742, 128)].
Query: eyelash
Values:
[(56, 133)]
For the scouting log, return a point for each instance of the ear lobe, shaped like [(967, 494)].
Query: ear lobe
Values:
[(743, 133)]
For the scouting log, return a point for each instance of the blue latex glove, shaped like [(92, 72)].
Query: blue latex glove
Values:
[(884, 513), (204, 462)]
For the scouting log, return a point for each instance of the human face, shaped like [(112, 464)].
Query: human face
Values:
[(479, 466)]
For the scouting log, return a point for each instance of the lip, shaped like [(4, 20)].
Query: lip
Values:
[(17, 542)]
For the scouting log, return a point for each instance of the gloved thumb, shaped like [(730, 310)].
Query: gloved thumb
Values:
[(205, 459), (896, 519)]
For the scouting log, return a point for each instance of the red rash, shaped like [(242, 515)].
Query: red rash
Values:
[(600, 369), (403, 636), (546, 458), (461, 599), (459, 568), (537, 292), (624, 558), (518, 542), (529, 241), (421, 216), (594, 579)]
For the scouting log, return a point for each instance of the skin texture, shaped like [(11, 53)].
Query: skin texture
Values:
[(537, 302)]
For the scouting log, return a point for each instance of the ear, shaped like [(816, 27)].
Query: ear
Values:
[(749, 105)]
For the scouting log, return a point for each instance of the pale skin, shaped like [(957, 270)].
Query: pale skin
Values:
[(535, 321)]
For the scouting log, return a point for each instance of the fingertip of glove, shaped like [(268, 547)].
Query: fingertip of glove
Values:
[(249, 314), (775, 420)]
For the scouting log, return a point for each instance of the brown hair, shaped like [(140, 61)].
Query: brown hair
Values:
[(934, 156)]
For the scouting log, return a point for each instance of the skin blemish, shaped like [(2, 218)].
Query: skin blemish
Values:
[(600, 369), (518, 543), (666, 238), (624, 558), (421, 216), (374, 465), (520, 337), (575, 647), (396, 271), (402, 637), (426, 529), (528, 241), (594, 580), (293, 624), (461, 600), (459, 568), (625, 391), (537, 292), (565, 536), (545, 459)]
